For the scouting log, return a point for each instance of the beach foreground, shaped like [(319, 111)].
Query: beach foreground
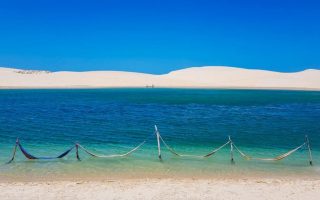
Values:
[(164, 189)]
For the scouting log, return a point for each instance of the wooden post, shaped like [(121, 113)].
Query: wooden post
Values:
[(231, 150), (158, 141), (309, 150), (77, 151)]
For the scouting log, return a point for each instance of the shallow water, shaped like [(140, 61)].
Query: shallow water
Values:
[(193, 121)]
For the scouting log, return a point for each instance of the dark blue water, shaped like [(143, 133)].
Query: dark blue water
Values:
[(263, 123)]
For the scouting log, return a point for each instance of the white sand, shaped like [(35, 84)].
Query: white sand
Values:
[(246, 189), (198, 77)]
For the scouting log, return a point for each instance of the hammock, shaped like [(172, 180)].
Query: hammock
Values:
[(32, 157), (187, 155), (280, 157), (111, 156)]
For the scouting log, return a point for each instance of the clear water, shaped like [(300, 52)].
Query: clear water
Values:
[(193, 121)]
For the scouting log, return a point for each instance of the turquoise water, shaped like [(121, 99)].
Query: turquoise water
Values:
[(193, 121)]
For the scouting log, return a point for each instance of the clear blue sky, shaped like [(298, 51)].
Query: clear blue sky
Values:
[(157, 36)]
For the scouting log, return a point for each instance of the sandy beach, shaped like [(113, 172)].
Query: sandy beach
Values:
[(248, 189), (194, 77)]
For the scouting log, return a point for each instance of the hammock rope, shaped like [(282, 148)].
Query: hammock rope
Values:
[(14, 152), (241, 153)]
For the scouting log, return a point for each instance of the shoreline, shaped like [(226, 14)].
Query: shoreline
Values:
[(136, 175), (186, 87)]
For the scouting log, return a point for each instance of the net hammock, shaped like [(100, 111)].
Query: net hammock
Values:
[(114, 155), (277, 158), (188, 155), (32, 157)]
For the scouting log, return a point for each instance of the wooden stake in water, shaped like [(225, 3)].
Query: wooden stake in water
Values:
[(309, 149), (77, 151), (158, 140), (231, 150)]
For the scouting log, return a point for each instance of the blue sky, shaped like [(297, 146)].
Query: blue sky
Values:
[(159, 36)]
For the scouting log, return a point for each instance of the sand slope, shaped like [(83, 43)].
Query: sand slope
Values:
[(211, 77)]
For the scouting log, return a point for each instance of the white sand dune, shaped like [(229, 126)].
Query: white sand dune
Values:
[(195, 77)]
